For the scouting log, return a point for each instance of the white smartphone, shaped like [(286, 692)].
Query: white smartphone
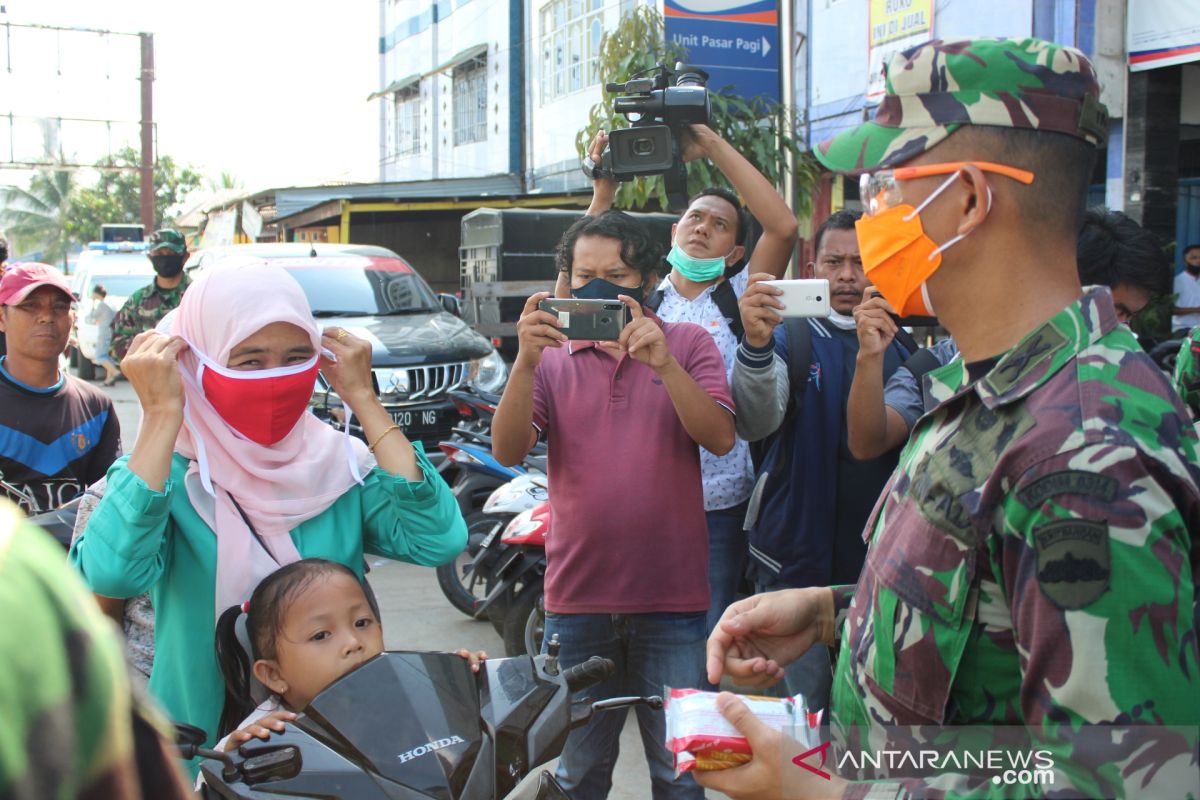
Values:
[(808, 297)]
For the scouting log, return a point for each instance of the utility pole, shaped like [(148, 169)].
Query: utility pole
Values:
[(147, 167), (787, 69)]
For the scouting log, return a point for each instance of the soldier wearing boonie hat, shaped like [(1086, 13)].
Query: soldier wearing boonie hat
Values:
[(1031, 561), (142, 311)]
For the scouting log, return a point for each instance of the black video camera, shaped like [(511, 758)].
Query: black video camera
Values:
[(660, 106)]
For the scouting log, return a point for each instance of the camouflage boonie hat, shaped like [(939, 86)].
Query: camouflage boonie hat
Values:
[(168, 239), (935, 87)]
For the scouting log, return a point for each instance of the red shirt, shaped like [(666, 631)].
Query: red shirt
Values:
[(629, 534)]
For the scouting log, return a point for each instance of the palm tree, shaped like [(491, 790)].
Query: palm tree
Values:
[(226, 181), (38, 217)]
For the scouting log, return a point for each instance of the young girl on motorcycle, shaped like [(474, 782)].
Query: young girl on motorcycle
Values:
[(308, 623)]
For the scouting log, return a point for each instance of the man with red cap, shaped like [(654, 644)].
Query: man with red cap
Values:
[(57, 434)]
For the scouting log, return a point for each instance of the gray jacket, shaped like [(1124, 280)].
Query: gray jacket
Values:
[(760, 391)]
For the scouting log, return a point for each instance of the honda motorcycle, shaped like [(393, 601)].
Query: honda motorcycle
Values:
[(409, 725)]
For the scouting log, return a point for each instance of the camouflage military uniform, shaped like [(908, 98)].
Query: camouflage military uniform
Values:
[(1036, 77), (1031, 561), (1187, 371), (69, 727), (141, 312)]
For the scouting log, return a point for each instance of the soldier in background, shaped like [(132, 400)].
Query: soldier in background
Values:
[(1187, 372), (146, 306), (1031, 561)]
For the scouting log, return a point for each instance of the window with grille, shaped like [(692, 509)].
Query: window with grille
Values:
[(408, 120), (570, 31), (470, 101)]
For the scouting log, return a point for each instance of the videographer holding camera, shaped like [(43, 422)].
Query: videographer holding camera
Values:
[(708, 273)]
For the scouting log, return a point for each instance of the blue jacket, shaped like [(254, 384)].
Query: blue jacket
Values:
[(791, 540)]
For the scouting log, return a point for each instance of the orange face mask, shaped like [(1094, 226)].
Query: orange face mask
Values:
[(898, 257)]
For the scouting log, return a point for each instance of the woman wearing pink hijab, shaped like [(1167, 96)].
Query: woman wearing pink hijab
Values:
[(231, 477)]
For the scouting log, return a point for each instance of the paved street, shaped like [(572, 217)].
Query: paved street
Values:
[(417, 617)]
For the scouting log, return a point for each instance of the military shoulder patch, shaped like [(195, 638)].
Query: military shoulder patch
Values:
[(1072, 561), (1030, 354), (1068, 481)]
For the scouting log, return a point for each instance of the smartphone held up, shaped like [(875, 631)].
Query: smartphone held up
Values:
[(808, 297), (590, 320)]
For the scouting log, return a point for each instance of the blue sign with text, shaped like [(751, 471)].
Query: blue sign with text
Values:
[(736, 42)]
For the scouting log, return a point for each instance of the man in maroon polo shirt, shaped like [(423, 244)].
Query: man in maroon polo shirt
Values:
[(627, 571)]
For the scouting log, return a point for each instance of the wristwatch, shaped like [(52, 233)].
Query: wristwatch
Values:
[(595, 171)]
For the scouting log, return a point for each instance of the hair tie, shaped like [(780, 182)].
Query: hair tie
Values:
[(246, 607)]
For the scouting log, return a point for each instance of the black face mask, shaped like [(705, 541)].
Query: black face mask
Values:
[(168, 265), (600, 289), (1193, 270)]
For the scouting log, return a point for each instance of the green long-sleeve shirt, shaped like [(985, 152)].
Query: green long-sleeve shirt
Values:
[(141, 540)]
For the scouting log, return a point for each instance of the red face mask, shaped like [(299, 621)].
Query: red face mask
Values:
[(262, 405)]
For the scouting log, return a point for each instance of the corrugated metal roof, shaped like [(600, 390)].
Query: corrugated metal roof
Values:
[(295, 200)]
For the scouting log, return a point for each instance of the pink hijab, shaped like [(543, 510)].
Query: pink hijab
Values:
[(278, 486)]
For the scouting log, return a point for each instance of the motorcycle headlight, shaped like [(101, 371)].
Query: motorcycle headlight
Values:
[(488, 374)]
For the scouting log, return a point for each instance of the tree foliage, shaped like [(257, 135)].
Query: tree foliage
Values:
[(227, 180), (115, 198), (761, 131), (56, 213), (38, 217)]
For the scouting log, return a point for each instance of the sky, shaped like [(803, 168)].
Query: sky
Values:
[(272, 92)]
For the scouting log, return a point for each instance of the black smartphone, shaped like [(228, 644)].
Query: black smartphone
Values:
[(914, 322), (908, 322), (595, 320)]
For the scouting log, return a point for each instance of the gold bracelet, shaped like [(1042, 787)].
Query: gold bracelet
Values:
[(371, 449)]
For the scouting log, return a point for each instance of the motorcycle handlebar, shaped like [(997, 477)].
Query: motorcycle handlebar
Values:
[(589, 673)]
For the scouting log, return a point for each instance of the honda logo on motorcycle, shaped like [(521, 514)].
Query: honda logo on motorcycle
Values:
[(425, 749)]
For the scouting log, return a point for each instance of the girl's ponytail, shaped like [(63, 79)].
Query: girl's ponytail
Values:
[(234, 662)]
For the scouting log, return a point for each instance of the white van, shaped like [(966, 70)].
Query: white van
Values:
[(122, 268)]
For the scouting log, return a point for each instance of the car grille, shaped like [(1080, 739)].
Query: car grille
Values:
[(418, 384)]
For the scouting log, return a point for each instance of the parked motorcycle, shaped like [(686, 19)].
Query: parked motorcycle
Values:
[(517, 572), (420, 725), (518, 495), (475, 411), (480, 475), (1166, 353)]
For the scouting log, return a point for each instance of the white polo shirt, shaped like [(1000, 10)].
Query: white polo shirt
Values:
[(1188, 289), (728, 479)]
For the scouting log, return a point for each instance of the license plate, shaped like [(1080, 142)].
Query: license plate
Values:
[(415, 419)]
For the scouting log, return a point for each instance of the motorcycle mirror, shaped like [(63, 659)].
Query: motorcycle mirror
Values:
[(189, 734), (229, 770)]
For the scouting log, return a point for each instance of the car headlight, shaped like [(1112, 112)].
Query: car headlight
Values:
[(488, 374)]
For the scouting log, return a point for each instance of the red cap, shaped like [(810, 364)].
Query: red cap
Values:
[(18, 282)]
